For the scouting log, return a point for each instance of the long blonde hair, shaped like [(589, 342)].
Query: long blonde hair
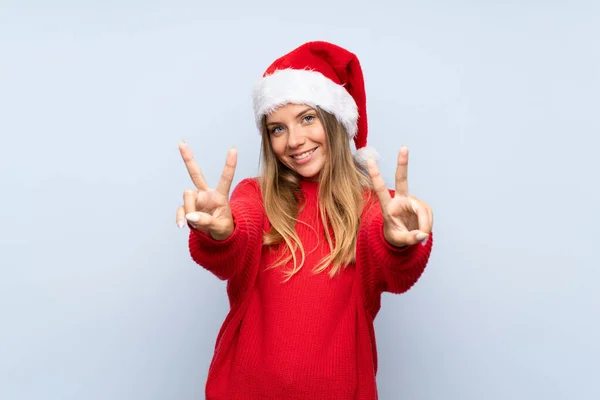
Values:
[(341, 200)]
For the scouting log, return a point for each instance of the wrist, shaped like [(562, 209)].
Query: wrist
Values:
[(224, 234)]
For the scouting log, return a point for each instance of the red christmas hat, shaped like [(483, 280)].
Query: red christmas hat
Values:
[(318, 74)]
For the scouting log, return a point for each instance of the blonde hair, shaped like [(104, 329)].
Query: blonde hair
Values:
[(341, 200)]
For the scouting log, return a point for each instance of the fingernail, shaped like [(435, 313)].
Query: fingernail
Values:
[(180, 224), (421, 236), (424, 242), (192, 217)]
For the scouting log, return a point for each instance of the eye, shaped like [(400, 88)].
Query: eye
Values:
[(276, 129), (308, 118)]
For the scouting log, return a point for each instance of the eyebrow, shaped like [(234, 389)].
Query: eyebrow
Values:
[(301, 113)]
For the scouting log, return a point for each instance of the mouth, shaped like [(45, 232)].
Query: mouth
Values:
[(302, 156)]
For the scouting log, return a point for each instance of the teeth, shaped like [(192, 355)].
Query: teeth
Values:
[(304, 155)]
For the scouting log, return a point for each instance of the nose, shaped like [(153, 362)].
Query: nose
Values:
[(295, 138)]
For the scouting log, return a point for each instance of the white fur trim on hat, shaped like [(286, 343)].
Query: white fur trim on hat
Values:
[(364, 153), (304, 87)]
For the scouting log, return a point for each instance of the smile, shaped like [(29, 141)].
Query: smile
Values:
[(304, 155)]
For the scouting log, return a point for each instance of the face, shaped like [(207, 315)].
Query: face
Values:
[(298, 139)]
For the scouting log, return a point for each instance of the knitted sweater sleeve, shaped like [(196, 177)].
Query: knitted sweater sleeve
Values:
[(386, 268), (228, 257)]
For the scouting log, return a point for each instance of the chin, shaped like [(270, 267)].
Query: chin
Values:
[(310, 177), (310, 174)]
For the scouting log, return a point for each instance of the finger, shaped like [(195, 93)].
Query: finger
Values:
[(408, 238), (378, 184), (180, 218), (402, 173), (204, 200), (189, 201), (420, 209), (429, 212), (224, 185), (199, 219), (192, 167), (430, 217), (419, 236)]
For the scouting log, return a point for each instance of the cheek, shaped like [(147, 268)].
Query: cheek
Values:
[(319, 134), (320, 138), (278, 145)]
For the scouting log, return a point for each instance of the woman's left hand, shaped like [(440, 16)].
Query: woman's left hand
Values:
[(406, 219)]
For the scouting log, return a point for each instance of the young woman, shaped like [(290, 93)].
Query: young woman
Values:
[(308, 247)]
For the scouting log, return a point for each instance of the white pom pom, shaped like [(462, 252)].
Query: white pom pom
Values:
[(364, 153)]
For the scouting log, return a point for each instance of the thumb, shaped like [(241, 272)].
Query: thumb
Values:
[(199, 219), (217, 228), (405, 238)]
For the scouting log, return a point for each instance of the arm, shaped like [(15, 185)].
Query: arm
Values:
[(228, 257), (397, 234), (390, 268)]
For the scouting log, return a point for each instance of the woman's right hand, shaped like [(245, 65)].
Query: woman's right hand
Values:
[(206, 209)]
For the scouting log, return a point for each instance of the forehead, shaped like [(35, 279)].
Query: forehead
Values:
[(290, 110)]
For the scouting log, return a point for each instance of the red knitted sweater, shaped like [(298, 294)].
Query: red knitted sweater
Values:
[(309, 338)]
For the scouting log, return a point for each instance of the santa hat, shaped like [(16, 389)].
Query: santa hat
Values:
[(318, 74)]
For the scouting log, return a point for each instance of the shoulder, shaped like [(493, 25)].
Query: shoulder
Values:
[(249, 183), (248, 187), (372, 206)]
